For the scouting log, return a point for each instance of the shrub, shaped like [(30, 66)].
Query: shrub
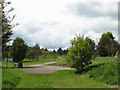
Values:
[(80, 53)]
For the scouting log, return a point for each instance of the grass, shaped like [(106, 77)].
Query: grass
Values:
[(102, 69), (102, 60), (0, 78), (61, 61), (27, 62), (59, 79), (107, 73), (9, 80)]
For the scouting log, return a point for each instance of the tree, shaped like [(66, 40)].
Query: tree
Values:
[(6, 26), (42, 49), (80, 53), (46, 49), (30, 54), (37, 51), (54, 54), (59, 51), (91, 42), (107, 46), (54, 51), (45, 53), (65, 51), (18, 50)]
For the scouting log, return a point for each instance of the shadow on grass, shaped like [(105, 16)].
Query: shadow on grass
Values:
[(89, 68)]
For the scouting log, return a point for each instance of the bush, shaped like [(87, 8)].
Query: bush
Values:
[(80, 53)]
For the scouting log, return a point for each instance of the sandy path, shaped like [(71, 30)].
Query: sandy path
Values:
[(40, 68)]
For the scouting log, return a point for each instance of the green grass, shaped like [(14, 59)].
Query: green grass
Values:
[(59, 79), (9, 80), (104, 69), (61, 61), (107, 73), (0, 63), (27, 62), (102, 60), (0, 78)]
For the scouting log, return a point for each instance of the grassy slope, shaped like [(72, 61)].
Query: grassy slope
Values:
[(107, 73)]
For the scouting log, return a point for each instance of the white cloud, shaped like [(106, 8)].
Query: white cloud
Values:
[(53, 23)]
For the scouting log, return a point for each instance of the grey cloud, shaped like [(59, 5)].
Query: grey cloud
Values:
[(32, 28), (91, 10), (27, 39)]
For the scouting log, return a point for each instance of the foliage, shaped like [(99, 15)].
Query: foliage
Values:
[(18, 49), (46, 49), (59, 51), (65, 52), (7, 25), (45, 53), (80, 53), (107, 46), (54, 51), (30, 54), (36, 51), (92, 43)]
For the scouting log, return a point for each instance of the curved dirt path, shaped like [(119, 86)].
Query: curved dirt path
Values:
[(40, 68)]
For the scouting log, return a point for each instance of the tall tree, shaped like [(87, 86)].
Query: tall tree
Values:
[(54, 51), (45, 53), (60, 51), (46, 49), (54, 54), (107, 46), (18, 50), (30, 54), (91, 42), (65, 51), (37, 51), (6, 25)]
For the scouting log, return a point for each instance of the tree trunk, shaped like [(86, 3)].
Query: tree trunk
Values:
[(20, 65)]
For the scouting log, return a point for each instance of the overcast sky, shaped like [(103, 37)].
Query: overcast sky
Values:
[(53, 23)]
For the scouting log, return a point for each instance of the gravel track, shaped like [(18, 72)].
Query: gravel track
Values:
[(41, 68)]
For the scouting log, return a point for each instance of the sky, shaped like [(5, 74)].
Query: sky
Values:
[(53, 23)]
